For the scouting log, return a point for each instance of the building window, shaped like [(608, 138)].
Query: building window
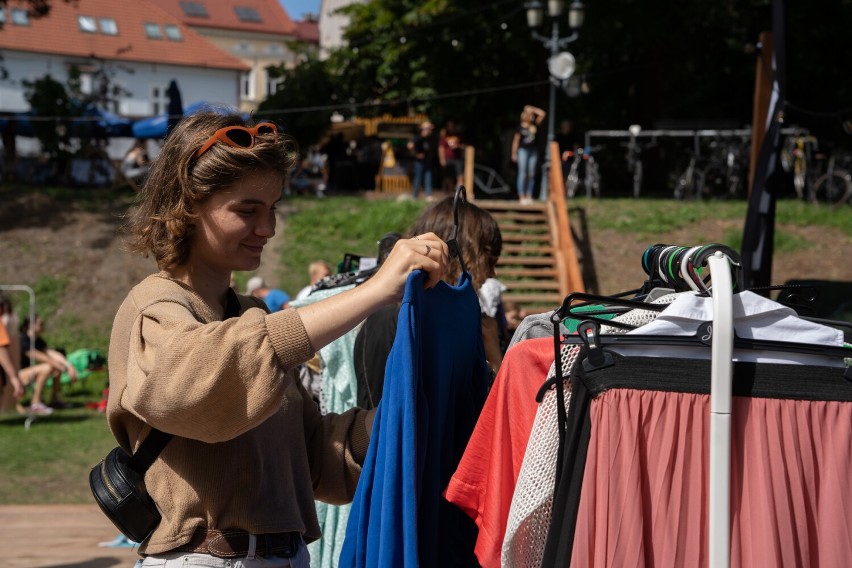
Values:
[(246, 14), (87, 24), (108, 26), (20, 17), (275, 49), (159, 100), (152, 31), (194, 9), (247, 85), (243, 48), (173, 32), (273, 84), (2, 15)]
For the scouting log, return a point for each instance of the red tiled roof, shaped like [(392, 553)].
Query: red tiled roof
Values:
[(308, 31), (59, 33), (223, 15)]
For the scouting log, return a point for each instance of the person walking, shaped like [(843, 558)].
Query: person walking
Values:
[(525, 151), (423, 147), (189, 356)]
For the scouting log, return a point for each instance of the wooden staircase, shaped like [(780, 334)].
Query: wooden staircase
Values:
[(538, 264), (528, 265)]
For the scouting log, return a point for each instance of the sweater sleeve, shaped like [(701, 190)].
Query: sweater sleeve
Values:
[(210, 381), (337, 445)]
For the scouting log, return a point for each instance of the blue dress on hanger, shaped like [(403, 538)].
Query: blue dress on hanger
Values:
[(435, 386)]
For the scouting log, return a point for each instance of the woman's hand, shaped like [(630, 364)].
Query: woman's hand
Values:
[(424, 252), (330, 318)]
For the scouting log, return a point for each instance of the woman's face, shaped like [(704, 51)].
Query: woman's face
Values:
[(234, 224)]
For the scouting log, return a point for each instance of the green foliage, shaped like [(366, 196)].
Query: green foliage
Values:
[(306, 85), (49, 98)]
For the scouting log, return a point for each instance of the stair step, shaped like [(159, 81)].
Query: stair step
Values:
[(521, 238), (526, 273), (525, 261), (527, 249), (506, 205), (528, 227), (519, 216), (515, 285)]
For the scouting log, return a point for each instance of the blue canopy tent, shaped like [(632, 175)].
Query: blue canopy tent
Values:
[(158, 126)]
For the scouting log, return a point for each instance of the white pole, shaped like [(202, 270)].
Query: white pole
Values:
[(721, 371)]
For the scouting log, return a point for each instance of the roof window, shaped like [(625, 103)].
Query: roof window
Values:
[(247, 14), (20, 17), (173, 32), (152, 31), (194, 9), (87, 24), (108, 26)]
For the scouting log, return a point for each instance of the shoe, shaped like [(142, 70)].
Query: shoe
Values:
[(120, 541), (40, 409)]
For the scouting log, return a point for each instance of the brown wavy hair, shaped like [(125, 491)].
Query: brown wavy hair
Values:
[(479, 238), (162, 223)]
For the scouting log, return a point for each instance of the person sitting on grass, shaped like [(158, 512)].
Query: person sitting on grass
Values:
[(47, 364)]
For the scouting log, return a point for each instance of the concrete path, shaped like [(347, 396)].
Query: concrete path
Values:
[(59, 536)]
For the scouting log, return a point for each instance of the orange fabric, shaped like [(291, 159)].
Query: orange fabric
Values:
[(644, 497), (4, 337), (485, 479)]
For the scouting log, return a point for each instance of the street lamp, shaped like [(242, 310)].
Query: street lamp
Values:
[(560, 65)]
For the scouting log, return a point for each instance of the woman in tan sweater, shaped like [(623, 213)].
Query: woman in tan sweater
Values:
[(250, 451)]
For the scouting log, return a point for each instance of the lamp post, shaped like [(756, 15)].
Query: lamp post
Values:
[(560, 65)]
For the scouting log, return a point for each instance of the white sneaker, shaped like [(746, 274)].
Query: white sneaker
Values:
[(40, 408)]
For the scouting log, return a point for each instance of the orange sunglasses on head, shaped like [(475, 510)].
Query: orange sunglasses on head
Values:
[(239, 136)]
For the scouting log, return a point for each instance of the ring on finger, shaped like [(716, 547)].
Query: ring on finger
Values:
[(428, 250)]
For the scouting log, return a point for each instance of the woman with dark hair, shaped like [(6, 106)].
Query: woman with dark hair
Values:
[(188, 356), (480, 243)]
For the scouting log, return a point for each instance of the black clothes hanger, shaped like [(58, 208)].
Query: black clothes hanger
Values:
[(453, 243)]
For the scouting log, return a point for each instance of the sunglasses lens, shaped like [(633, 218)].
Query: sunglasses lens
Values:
[(265, 129), (239, 137)]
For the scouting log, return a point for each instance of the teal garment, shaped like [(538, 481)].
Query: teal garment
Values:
[(339, 391)]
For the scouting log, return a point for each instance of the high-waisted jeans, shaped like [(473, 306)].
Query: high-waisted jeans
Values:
[(527, 160)]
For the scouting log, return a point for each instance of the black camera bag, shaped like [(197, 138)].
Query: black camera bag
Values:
[(118, 484)]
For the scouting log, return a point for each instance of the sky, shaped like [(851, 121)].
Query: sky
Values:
[(295, 8)]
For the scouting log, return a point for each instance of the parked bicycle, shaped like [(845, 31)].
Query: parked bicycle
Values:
[(798, 156), (690, 183), (834, 187), (725, 169), (583, 172), (633, 157)]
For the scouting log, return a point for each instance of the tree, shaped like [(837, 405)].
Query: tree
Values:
[(306, 86), (49, 100)]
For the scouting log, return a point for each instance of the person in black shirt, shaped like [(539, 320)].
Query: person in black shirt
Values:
[(424, 148)]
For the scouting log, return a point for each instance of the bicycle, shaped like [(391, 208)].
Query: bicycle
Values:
[(725, 169), (834, 187), (633, 157), (797, 156), (590, 180), (690, 184)]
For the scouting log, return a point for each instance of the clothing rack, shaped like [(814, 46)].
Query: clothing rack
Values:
[(721, 370)]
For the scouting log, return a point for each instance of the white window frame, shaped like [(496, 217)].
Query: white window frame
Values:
[(173, 32), (108, 26), (247, 85), (20, 17), (159, 100), (87, 24), (149, 27)]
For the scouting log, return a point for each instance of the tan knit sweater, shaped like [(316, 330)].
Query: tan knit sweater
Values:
[(251, 450)]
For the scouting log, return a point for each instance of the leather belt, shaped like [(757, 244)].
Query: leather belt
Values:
[(235, 543)]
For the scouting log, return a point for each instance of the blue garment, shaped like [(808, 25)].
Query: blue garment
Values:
[(276, 299), (436, 382)]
